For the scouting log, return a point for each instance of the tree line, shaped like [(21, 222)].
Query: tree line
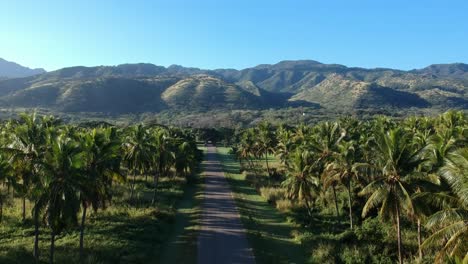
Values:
[(64, 170), (413, 170)]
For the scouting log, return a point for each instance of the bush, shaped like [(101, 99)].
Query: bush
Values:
[(284, 205), (324, 254), (272, 194), (373, 231), (353, 255)]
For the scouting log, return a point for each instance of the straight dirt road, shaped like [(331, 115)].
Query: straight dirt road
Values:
[(222, 237)]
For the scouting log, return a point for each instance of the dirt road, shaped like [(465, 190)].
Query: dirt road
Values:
[(222, 237)]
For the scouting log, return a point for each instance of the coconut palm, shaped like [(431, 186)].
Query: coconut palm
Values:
[(451, 221), (6, 175), (248, 149), (102, 167), (62, 181), (266, 142), (301, 184), (163, 157), (324, 142), (343, 170), (26, 149), (138, 152), (285, 144), (397, 161)]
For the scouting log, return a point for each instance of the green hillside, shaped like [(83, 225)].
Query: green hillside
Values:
[(136, 88), (207, 92), (338, 92)]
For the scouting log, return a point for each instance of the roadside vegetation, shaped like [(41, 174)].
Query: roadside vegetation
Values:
[(268, 230), (93, 193), (353, 191)]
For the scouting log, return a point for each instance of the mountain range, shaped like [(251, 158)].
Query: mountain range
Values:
[(10, 69), (136, 88)]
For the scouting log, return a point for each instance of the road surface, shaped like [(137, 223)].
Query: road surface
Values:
[(222, 237)]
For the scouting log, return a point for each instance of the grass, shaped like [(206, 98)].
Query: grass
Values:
[(182, 245), (268, 231), (123, 233)]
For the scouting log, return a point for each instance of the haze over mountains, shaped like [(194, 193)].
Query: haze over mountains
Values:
[(135, 88)]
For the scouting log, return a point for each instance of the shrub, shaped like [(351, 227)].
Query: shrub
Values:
[(324, 253), (352, 255), (272, 194), (284, 205)]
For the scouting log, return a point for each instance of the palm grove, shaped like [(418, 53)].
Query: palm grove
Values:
[(411, 175), (64, 171)]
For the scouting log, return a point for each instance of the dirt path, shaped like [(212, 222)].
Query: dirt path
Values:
[(222, 237)]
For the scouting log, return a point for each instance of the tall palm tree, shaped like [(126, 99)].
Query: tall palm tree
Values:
[(6, 175), (163, 157), (62, 178), (266, 142), (397, 161), (27, 148), (101, 168), (301, 184), (285, 144), (138, 152), (451, 221), (343, 170), (324, 142), (248, 148)]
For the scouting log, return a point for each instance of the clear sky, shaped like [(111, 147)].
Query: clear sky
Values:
[(210, 34)]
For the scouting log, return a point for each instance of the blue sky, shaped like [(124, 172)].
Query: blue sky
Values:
[(233, 33)]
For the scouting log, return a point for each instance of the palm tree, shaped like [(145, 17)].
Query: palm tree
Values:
[(101, 168), (324, 142), (138, 152), (162, 157), (248, 149), (266, 142), (6, 172), (300, 183), (285, 144), (451, 221), (26, 149), (343, 170), (397, 162), (62, 178)]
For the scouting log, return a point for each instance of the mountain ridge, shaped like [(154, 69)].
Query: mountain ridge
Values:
[(9, 69), (307, 83)]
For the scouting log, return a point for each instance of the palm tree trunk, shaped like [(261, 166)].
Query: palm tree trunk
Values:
[(132, 186), (266, 160), (82, 227), (36, 233), (52, 247), (397, 208), (309, 210), (155, 181), (24, 208), (419, 240), (336, 203), (1, 209), (350, 205), (251, 164)]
